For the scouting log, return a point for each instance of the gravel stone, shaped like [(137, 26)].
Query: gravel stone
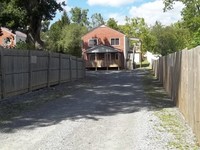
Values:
[(110, 110)]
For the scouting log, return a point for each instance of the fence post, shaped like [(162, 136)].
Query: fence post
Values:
[(60, 67), (48, 69), (3, 94), (30, 72)]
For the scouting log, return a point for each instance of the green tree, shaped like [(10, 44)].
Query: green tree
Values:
[(169, 39), (191, 17), (112, 23), (97, 20), (79, 16), (65, 19), (71, 39), (27, 16), (53, 36), (137, 28)]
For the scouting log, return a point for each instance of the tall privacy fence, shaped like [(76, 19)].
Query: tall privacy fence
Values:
[(180, 74), (24, 71)]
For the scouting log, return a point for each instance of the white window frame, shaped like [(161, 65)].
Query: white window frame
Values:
[(114, 39), (92, 39)]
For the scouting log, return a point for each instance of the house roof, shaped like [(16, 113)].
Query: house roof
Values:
[(7, 30), (17, 33), (21, 34), (104, 26), (102, 49)]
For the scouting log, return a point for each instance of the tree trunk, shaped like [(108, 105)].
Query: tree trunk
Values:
[(33, 35)]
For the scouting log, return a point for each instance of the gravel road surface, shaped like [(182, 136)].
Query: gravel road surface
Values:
[(110, 111)]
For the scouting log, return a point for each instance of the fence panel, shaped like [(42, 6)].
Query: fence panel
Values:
[(65, 68), (54, 68), (39, 65), (180, 75), (23, 71), (73, 68), (15, 71)]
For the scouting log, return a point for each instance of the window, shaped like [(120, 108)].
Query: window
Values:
[(115, 41), (92, 42), (7, 41)]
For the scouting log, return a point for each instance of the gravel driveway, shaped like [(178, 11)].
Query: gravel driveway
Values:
[(111, 110)]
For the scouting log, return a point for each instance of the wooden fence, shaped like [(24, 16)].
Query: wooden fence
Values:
[(180, 74), (24, 71)]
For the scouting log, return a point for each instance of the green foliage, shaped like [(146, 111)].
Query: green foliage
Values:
[(169, 39), (157, 39), (65, 19), (70, 42), (53, 36), (191, 18), (196, 39), (97, 20), (12, 15), (21, 45), (112, 23), (64, 37), (27, 16), (137, 28), (79, 16)]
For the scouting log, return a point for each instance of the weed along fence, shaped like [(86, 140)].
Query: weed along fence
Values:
[(24, 71), (180, 74)]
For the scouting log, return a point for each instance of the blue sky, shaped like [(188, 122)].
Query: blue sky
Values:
[(150, 10)]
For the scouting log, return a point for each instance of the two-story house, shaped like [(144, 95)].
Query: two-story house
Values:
[(9, 39), (104, 47)]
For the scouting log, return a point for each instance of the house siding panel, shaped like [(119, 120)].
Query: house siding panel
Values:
[(5, 35)]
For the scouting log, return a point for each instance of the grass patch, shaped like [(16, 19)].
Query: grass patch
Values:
[(172, 124), (145, 64), (170, 120)]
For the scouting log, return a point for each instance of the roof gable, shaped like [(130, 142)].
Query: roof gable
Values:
[(103, 26)]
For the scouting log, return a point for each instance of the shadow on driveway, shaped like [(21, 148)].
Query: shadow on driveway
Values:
[(104, 93)]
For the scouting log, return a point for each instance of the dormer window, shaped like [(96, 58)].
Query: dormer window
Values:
[(114, 41), (93, 42)]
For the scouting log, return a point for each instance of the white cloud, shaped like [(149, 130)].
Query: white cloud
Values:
[(153, 11), (118, 17), (113, 3)]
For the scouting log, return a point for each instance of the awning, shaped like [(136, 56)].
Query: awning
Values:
[(102, 49)]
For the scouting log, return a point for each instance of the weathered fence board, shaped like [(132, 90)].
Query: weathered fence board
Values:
[(23, 71), (180, 75)]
